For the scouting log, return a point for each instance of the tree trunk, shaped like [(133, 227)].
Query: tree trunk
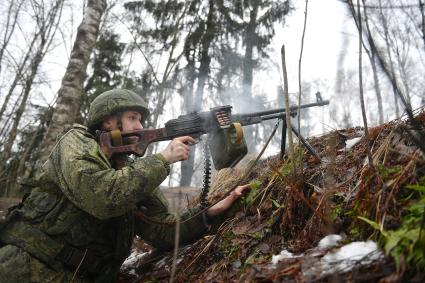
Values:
[(363, 108), (377, 87), (248, 67), (71, 90), (6, 124), (372, 58), (250, 43), (403, 72), (204, 69), (186, 167)]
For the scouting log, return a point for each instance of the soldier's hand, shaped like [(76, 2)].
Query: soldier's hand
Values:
[(226, 203), (178, 149)]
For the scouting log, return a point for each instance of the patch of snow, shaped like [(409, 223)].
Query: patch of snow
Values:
[(284, 254), (345, 258), (341, 260), (352, 142), (131, 260), (329, 241)]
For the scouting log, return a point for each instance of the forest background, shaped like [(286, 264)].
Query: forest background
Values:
[(56, 56)]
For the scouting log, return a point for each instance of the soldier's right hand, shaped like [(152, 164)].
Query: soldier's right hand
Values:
[(178, 149)]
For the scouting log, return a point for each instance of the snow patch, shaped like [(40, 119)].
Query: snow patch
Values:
[(351, 142), (329, 241), (350, 255), (284, 254), (130, 262), (341, 260)]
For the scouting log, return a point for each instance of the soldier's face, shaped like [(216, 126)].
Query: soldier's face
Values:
[(131, 121)]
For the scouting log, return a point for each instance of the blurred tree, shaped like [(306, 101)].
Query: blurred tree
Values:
[(252, 24), (47, 19), (11, 19), (211, 33), (71, 91), (106, 69)]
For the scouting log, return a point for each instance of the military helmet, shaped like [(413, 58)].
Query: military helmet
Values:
[(113, 101)]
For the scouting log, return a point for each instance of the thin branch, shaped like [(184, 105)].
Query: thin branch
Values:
[(366, 130), (140, 49), (299, 70), (389, 7), (286, 97), (176, 236)]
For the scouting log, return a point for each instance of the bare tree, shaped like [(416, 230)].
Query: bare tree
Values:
[(47, 23), (18, 70), (390, 60), (69, 94), (366, 130), (9, 27), (372, 58), (401, 50)]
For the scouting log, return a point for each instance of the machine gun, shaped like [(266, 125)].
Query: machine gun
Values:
[(226, 140)]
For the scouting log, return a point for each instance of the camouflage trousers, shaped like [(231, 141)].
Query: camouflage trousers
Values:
[(18, 266)]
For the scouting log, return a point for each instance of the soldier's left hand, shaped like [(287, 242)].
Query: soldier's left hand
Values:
[(226, 203)]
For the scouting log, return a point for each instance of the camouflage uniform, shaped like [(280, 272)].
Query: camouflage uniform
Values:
[(82, 213)]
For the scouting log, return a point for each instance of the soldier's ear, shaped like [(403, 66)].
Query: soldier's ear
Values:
[(109, 123)]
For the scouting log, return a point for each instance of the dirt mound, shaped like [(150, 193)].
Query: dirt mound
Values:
[(274, 233)]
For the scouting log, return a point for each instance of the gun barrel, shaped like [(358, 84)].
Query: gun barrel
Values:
[(257, 117), (279, 110)]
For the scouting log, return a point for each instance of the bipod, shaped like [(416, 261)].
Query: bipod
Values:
[(298, 134)]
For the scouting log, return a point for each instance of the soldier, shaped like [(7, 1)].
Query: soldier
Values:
[(78, 223)]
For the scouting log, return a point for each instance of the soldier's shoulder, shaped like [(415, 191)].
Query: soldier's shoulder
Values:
[(79, 127), (78, 136)]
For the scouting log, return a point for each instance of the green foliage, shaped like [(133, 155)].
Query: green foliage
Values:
[(286, 169), (387, 173), (408, 241), (337, 205), (255, 186), (336, 211), (374, 225)]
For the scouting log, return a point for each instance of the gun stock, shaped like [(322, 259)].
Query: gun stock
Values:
[(134, 142)]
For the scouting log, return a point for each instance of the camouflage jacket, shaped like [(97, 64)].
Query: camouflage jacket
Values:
[(82, 206)]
